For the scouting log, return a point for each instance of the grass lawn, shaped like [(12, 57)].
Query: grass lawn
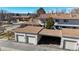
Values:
[(5, 36)]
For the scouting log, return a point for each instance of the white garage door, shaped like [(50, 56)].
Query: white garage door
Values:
[(72, 45), (32, 40), (21, 38)]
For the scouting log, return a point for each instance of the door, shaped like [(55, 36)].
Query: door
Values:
[(71, 45), (21, 38), (32, 39)]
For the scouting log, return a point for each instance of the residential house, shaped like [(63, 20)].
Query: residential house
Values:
[(62, 20), (21, 18)]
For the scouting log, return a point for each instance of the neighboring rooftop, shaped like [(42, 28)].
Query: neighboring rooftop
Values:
[(32, 23), (21, 16), (60, 16)]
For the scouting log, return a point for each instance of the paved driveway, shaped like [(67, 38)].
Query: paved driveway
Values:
[(14, 46)]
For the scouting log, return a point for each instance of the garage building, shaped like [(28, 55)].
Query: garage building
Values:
[(33, 35), (66, 38), (28, 34), (70, 39)]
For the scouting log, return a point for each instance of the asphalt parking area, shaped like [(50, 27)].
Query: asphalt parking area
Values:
[(6, 45)]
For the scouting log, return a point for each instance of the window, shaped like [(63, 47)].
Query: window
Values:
[(57, 20), (65, 20)]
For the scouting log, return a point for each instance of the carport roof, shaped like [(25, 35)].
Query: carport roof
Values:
[(70, 32), (29, 29), (51, 32)]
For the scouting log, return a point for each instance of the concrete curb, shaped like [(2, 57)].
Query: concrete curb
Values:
[(8, 49)]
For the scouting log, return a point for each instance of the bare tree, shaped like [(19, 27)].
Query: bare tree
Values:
[(2, 15), (75, 11), (5, 16), (9, 17), (63, 11)]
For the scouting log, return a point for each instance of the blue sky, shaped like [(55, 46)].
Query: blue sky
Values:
[(34, 9)]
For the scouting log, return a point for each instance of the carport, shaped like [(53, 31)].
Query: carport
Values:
[(49, 36)]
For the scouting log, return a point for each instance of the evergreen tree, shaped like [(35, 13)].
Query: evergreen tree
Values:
[(49, 23)]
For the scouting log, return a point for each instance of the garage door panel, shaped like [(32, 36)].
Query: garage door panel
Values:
[(72, 45), (21, 38), (32, 40)]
